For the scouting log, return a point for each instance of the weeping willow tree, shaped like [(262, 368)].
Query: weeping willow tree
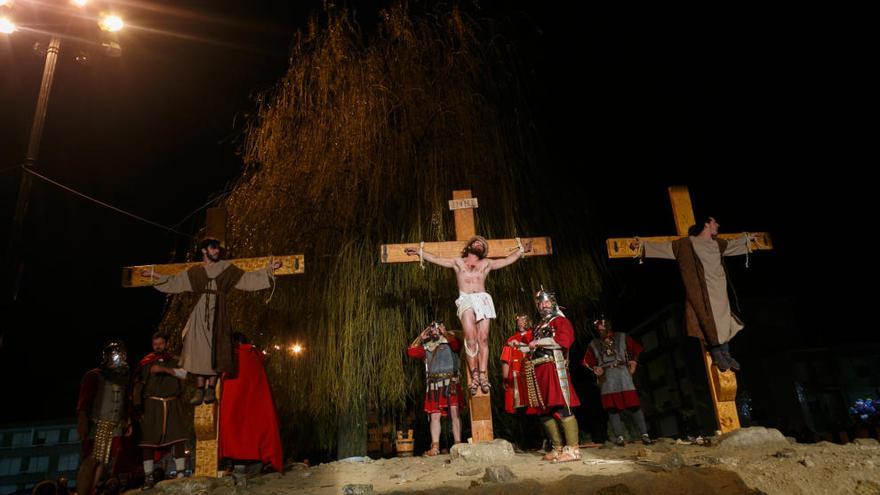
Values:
[(360, 144)]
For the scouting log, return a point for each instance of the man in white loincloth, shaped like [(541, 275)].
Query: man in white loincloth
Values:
[(475, 307)]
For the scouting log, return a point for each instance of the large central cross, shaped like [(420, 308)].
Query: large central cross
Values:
[(722, 384), (206, 417), (462, 204)]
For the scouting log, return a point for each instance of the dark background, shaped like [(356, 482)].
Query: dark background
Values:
[(625, 102)]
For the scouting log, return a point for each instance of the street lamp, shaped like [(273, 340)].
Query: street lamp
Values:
[(110, 23), (6, 25)]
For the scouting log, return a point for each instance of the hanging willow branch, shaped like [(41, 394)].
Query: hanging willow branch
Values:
[(359, 144)]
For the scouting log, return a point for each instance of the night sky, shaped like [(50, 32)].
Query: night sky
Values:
[(626, 102)]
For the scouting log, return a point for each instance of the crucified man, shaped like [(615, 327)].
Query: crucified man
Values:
[(475, 307)]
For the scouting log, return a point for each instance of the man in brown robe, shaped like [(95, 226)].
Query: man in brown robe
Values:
[(157, 393), (207, 335), (708, 315)]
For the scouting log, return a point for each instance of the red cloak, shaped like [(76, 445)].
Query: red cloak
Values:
[(515, 381), (248, 423), (546, 375)]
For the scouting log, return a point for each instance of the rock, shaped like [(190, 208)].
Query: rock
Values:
[(672, 461), (497, 450), (642, 452), (618, 489), (476, 483), (470, 472), (357, 490), (662, 447), (867, 442), (784, 454), (806, 461), (865, 487), (259, 480), (709, 460), (194, 485), (498, 474), (791, 440), (751, 437)]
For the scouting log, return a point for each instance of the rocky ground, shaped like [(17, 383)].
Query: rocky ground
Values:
[(749, 461)]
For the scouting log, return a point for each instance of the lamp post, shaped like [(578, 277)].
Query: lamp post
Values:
[(109, 23)]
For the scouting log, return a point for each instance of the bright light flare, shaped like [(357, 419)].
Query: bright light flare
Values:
[(296, 349), (111, 23), (6, 25), (78, 3)]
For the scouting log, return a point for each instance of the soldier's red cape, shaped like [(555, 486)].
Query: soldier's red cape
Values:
[(248, 422)]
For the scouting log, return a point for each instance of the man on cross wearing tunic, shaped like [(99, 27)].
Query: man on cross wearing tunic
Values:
[(207, 335), (475, 306), (700, 256)]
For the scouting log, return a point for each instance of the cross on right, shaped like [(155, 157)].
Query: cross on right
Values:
[(722, 384)]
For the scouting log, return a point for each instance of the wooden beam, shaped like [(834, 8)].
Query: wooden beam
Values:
[(498, 248), (465, 225), (682, 209), (722, 387), (292, 264), (618, 247), (215, 224)]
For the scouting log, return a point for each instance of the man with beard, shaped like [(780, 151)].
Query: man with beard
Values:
[(207, 335), (475, 306), (700, 257), (163, 425), (103, 419)]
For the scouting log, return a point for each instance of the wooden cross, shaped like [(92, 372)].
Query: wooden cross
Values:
[(722, 384), (462, 204), (293, 264), (206, 417)]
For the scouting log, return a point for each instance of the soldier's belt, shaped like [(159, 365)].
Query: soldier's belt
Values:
[(441, 376), (545, 359), (616, 364)]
